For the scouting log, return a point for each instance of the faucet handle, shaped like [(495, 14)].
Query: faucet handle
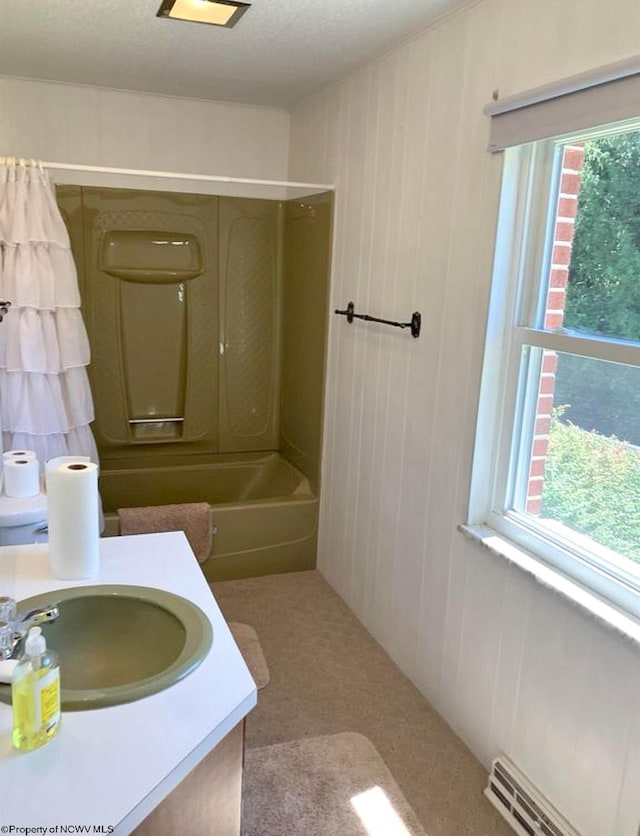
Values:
[(6, 640), (7, 610)]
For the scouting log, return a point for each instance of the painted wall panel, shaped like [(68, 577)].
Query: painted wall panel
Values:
[(481, 632), (629, 804), (80, 124), (511, 667)]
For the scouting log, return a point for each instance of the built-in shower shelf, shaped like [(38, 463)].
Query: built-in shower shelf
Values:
[(156, 420)]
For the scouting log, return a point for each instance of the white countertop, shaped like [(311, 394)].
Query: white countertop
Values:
[(110, 767)]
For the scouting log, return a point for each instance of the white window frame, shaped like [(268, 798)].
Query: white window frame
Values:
[(523, 247)]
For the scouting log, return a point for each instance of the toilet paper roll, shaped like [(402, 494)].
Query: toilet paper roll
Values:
[(72, 503), (21, 477), (19, 454), (52, 464)]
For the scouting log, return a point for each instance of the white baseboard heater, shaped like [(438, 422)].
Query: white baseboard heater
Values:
[(521, 804)]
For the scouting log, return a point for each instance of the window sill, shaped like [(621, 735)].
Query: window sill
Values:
[(602, 611)]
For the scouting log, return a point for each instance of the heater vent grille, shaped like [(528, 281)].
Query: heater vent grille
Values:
[(527, 810)]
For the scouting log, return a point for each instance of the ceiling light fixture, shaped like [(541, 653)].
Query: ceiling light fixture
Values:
[(216, 12)]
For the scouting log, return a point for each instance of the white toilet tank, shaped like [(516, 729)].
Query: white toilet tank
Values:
[(23, 520)]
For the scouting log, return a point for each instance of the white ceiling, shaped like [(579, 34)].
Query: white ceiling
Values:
[(280, 51)]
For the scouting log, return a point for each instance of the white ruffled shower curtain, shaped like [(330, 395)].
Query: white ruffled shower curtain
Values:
[(45, 398)]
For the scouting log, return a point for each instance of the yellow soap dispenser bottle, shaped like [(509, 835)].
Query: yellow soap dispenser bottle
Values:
[(35, 694)]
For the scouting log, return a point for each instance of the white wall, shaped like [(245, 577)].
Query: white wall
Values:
[(79, 124), (510, 666)]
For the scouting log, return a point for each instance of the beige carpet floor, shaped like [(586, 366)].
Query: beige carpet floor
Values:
[(336, 785), (328, 675)]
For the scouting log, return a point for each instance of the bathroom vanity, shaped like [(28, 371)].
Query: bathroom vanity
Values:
[(170, 762)]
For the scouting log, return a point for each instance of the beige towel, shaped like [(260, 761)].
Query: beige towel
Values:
[(249, 646), (194, 518)]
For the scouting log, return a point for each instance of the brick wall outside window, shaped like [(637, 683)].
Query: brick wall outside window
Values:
[(566, 210)]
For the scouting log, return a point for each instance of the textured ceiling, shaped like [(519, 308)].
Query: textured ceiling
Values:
[(280, 51)]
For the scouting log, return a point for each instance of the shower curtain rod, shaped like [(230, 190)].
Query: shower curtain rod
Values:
[(176, 175)]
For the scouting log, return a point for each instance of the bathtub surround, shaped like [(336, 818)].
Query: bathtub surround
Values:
[(207, 319), (194, 518)]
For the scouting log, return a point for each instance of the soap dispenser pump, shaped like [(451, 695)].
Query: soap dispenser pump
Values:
[(35, 694)]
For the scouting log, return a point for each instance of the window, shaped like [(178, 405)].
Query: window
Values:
[(557, 462)]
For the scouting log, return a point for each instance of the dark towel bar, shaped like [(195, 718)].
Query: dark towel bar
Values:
[(414, 325)]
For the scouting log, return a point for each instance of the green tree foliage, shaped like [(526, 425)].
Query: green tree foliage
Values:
[(603, 293), (592, 485)]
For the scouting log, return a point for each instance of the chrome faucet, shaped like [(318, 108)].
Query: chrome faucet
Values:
[(13, 631)]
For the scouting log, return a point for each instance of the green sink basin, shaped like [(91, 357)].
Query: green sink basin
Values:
[(118, 643)]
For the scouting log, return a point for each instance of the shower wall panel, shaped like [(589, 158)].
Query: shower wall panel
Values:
[(307, 250), (180, 298), (249, 293)]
